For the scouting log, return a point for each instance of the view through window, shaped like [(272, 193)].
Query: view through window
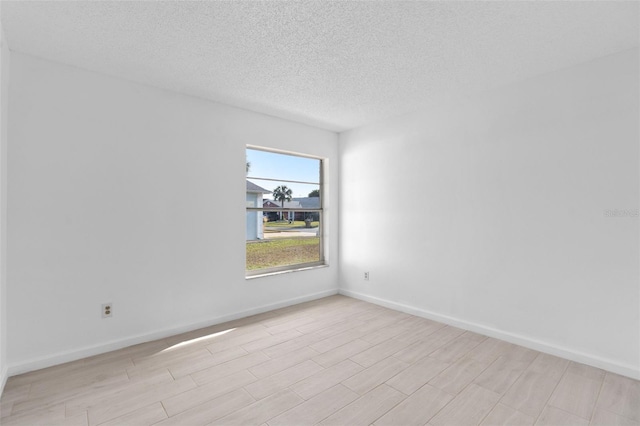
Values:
[(284, 212)]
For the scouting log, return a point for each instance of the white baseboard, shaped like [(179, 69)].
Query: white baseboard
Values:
[(538, 345), (87, 351)]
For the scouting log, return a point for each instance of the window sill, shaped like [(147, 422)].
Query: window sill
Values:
[(288, 271)]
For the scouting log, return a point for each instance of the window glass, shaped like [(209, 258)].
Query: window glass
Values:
[(284, 212)]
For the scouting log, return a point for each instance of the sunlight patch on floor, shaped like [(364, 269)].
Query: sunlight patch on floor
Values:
[(198, 339)]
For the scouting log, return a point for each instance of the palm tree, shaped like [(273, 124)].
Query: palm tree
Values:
[(282, 194)]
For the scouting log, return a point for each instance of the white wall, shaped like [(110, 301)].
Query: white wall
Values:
[(114, 196), (508, 233), (4, 99)]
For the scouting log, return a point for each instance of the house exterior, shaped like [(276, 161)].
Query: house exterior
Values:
[(295, 203), (254, 227), (287, 205), (308, 203)]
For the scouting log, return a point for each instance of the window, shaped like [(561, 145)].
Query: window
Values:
[(284, 212)]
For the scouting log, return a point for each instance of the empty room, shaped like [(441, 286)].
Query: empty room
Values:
[(319, 212)]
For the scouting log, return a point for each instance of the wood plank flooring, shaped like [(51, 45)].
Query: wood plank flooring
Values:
[(333, 361)]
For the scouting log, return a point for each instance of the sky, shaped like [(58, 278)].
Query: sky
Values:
[(283, 167)]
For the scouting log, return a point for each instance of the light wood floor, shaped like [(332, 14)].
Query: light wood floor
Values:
[(334, 361)]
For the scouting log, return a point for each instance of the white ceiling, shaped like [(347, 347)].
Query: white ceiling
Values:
[(335, 65)]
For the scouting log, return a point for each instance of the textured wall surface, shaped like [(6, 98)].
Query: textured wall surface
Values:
[(336, 65)]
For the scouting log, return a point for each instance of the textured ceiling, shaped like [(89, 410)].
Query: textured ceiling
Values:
[(335, 65)]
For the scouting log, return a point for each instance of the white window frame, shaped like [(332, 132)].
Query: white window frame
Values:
[(319, 210)]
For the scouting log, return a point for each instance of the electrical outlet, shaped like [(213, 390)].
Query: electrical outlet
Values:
[(107, 310), (366, 276)]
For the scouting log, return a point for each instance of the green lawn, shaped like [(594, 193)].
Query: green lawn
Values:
[(286, 224), (281, 252)]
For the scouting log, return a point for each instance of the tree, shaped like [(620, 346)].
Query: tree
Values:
[(314, 194), (282, 193)]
